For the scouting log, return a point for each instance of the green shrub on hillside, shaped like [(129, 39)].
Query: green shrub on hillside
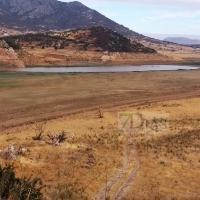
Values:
[(13, 188), (13, 44)]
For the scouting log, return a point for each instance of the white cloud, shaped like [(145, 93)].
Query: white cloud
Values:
[(171, 15), (188, 4)]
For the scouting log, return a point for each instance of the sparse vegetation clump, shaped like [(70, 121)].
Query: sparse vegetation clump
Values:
[(100, 113), (14, 188), (57, 139), (11, 42), (3, 44), (11, 154), (40, 128)]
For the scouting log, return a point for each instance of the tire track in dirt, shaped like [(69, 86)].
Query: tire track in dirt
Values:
[(129, 154), (121, 192)]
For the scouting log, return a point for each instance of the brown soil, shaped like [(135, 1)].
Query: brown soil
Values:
[(10, 58), (52, 57)]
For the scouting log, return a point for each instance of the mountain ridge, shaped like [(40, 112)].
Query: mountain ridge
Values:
[(45, 15), (33, 16), (182, 40)]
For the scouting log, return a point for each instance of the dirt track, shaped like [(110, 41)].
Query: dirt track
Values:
[(118, 185)]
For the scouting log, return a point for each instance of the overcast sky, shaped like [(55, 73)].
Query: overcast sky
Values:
[(152, 16)]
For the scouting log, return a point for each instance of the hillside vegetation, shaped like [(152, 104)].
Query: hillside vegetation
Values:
[(8, 56), (93, 39)]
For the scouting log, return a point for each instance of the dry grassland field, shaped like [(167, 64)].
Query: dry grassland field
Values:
[(175, 52), (99, 160)]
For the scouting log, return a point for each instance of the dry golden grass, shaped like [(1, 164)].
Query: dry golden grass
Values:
[(168, 162), (97, 144), (175, 52)]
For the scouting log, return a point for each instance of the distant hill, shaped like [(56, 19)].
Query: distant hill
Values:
[(92, 39), (182, 40), (163, 36), (25, 16)]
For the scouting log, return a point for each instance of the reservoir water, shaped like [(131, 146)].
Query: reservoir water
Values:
[(105, 69)]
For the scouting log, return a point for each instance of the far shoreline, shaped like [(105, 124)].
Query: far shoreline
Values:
[(116, 64)]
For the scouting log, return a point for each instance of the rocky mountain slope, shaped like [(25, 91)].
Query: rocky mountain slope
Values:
[(22, 16), (45, 15), (182, 40)]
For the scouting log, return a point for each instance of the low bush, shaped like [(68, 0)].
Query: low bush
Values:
[(13, 188)]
